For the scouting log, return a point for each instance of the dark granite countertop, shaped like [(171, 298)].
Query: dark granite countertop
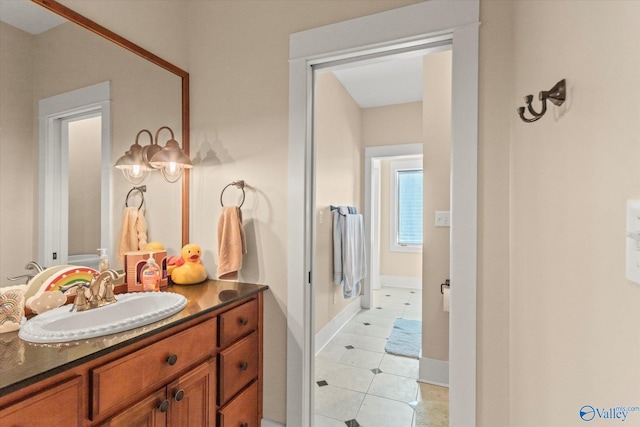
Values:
[(23, 363)]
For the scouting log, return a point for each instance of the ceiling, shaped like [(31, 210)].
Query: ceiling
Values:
[(388, 82), (28, 16)]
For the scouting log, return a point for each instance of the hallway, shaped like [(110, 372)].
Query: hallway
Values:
[(359, 384)]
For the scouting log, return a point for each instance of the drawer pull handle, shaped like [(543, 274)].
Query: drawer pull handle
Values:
[(244, 366), (163, 406), (244, 425), (172, 359), (244, 321), (179, 395)]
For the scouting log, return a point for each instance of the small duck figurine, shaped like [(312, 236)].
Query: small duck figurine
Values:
[(188, 268)]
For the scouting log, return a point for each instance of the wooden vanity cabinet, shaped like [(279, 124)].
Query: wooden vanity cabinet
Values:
[(145, 413), (240, 361), (206, 372), (189, 401), (153, 366), (58, 405)]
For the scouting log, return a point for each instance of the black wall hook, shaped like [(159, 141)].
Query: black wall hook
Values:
[(557, 95)]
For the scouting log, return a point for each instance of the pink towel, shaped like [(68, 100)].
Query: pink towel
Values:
[(133, 232), (231, 243)]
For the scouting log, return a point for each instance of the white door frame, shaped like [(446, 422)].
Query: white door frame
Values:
[(372, 212), (405, 27), (53, 162)]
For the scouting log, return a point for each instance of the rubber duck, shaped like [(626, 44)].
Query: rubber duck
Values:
[(189, 269)]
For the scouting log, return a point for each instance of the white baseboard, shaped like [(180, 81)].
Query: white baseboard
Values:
[(434, 371), (401, 282), (324, 335), (269, 423)]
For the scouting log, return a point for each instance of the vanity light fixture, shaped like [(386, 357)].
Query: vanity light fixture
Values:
[(557, 95), (171, 160), (132, 163)]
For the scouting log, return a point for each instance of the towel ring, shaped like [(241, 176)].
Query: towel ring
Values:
[(141, 190), (239, 185)]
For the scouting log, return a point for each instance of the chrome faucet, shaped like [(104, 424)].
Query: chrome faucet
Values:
[(31, 265), (34, 265), (100, 292)]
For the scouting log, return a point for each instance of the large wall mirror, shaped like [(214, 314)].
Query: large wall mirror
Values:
[(143, 91)]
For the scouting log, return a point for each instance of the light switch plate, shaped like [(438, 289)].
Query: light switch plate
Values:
[(443, 219), (633, 241)]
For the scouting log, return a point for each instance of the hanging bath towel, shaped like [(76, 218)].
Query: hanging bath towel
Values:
[(349, 257), (133, 232), (231, 243)]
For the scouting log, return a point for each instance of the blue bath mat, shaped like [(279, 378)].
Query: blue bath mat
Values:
[(405, 338)]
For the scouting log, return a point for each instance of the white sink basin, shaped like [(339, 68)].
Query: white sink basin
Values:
[(130, 311)]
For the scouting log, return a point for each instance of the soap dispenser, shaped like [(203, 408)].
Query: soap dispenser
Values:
[(150, 275), (103, 262)]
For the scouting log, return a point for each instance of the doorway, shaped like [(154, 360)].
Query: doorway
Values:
[(406, 27), (358, 380), (75, 176), (397, 99)]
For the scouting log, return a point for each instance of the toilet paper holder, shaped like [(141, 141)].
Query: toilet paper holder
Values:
[(446, 283)]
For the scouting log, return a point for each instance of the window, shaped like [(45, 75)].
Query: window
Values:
[(406, 205)]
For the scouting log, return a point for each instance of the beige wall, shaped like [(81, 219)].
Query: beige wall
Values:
[(561, 185), (391, 125), (437, 189), (571, 175), (496, 108), (84, 185), (557, 320), (143, 96), (57, 61), (338, 163), (18, 155), (238, 60), (158, 26)]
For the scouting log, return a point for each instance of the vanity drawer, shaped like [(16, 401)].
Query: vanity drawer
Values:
[(238, 367), (238, 322), (120, 380), (241, 411)]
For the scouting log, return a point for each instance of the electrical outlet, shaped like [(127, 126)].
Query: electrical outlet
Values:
[(442, 219)]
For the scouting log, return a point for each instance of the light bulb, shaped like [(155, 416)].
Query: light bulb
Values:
[(173, 168), (172, 171), (136, 171)]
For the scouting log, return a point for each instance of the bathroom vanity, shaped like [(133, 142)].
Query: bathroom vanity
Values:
[(199, 367)]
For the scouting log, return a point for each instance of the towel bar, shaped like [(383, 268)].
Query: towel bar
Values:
[(141, 190), (239, 185)]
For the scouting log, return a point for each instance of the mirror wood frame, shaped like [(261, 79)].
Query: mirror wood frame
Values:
[(98, 29)]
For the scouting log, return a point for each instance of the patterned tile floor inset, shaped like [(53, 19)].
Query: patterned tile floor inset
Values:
[(359, 385)]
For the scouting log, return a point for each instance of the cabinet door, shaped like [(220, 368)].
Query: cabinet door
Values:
[(193, 397), (55, 406), (149, 412), (143, 371)]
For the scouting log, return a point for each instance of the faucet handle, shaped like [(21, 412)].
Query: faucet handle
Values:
[(108, 291), (80, 303)]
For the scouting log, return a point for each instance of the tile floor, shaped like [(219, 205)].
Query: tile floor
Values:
[(358, 384)]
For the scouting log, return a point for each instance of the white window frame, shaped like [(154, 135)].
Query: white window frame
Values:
[(394, 167)]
